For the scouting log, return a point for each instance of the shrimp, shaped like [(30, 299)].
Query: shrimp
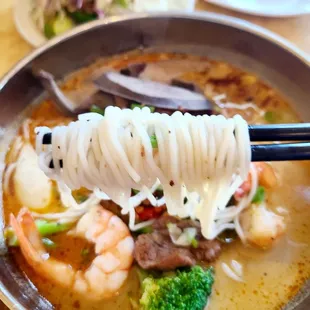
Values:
[(108, 271), (261, 226), (266, 178)]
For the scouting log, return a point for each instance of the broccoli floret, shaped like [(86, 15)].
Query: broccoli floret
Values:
[(186, 290)]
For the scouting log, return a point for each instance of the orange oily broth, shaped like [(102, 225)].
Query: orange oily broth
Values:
[(271, 277)]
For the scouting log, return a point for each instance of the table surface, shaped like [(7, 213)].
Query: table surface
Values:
[(13, 47)]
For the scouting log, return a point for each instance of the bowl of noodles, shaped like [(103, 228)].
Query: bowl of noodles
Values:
[(153, 203)]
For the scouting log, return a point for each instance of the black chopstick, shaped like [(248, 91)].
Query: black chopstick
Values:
[(280, 152), (280, 132), (273, 132), (267, 152)]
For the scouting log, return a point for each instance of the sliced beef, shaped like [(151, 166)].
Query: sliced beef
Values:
[(164, 220), (156, 251), (207, 250)]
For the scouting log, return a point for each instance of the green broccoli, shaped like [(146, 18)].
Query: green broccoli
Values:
[(186, 290)]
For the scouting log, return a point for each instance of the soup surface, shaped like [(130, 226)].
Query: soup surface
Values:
[(271, 277)]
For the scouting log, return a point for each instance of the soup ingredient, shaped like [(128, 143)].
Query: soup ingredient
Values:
[(44, 228), (261, 226), (140, 106), (107, 272), (182, 238), (33, 188), (117, 155), (48, 243), (186, 290), (96, 109), (234, 272), (157, 251), (259, 195), (266, 177), (151, 93)]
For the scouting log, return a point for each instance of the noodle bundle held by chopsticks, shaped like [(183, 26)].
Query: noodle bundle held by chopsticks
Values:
[(125, 149)]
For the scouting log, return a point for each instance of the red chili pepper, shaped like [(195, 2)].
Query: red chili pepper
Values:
[(149, 213)]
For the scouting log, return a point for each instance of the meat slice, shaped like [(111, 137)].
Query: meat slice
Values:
[(156, 251), (207, 250), (164, 220)]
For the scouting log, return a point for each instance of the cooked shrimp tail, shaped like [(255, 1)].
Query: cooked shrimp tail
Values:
[(107, 272), (27, 234)]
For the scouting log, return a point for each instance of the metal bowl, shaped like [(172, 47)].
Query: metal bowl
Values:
[(240, 43)]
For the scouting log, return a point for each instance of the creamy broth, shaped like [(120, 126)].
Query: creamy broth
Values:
[(271, 277)]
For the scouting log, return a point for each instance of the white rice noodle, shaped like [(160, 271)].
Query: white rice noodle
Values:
[(230, 105), (230, 273), (237, 267), (282, 210), (206, 155), (232, 213), (73, 213)]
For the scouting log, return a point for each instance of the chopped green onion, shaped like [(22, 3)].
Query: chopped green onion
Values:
[(154, 141), (160, 188), (84, 252), (80, 198), (49, 243), (135, 191), (259, 196), (194, 243), (49, 228), (270, 117), (96, 109), (45, 229), (145, 230), (140, 106)]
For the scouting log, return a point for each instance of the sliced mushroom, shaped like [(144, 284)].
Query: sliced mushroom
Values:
[(152, 93)]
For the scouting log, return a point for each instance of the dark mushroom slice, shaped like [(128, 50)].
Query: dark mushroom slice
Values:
[(165, 71), (152, 93), (133, 70)]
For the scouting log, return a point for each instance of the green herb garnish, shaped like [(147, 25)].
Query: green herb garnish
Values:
[(84, 252), (45, 229), (259, 196), (194, 243), (96, 109), (80, 198), (270, 117), (145, 230), (140, 106), (154, 141)]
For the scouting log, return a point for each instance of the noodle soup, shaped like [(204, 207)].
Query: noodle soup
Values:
[(267, 268)]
